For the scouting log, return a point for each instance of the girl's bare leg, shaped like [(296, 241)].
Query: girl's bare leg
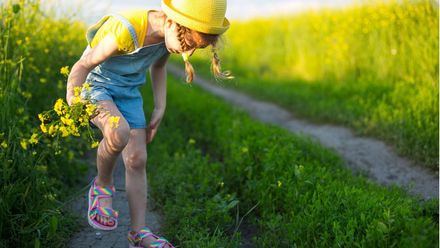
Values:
[(135, 160), (114, 141)]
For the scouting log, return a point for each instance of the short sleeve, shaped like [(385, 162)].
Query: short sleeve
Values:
[(119, 31)]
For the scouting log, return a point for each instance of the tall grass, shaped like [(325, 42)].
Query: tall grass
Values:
[(373, 67), (34, 177), (210, 164)]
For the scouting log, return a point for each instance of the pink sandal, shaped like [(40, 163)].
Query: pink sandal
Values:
[(95, 193), (135, 239)]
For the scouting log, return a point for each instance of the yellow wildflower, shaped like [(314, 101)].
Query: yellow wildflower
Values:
[(58, 107), (66, 121), (65, 70), (191, 141), (279, 183), (23, 144), (83, 121), (86, 86), (94, 144), (33, 139), (41, 117), (76, 99), (4, 144), (114, 121), (90, 109), (74, 130), (64, 131), (43, 128), (77, 90), (53, 129)]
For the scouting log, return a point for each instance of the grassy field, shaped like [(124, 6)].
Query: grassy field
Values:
[(210, 164), (373, 68), (35, 174)]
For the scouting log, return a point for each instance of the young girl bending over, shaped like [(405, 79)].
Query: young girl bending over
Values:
[(121, 47)]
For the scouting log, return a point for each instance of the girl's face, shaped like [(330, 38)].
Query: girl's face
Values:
[(171, 41)]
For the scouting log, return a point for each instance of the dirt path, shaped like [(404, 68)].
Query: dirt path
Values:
[(90, 237), (362, 154)]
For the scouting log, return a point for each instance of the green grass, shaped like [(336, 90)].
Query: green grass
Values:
[(373, 68), (210, 161), (35, 182)]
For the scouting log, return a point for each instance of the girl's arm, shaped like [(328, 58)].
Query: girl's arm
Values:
[(158, 74), (89, 60)]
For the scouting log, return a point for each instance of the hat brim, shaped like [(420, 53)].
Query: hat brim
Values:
[(191, 23)]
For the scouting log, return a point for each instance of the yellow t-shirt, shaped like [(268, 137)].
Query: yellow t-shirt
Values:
[(113, 26)]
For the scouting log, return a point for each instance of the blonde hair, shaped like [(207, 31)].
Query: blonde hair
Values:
[(187, 38)]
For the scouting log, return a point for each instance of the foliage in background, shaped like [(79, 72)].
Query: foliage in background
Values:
[(210, 164), (372, 67), (35, 173)]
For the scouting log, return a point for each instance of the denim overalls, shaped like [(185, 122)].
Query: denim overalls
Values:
[(119, 77)]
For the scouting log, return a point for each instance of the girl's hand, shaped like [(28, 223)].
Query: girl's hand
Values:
[(69, 97), (156, 118)]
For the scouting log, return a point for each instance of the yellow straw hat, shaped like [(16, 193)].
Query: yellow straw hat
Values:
[(206, 16)]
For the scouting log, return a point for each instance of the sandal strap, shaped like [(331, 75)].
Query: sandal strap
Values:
[(107, 191), (145, 232), (132, 238), (104, 211), (160, 242)]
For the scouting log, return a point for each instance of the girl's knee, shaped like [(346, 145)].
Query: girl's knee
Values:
[(118, 138), (136, 160)]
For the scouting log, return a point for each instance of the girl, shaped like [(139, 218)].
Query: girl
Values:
[(120, 49)]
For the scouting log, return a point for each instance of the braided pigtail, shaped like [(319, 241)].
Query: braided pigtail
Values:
[(189, 69), (216, 67), (185, 34)]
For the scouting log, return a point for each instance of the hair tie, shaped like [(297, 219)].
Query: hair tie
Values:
[(185, 57)]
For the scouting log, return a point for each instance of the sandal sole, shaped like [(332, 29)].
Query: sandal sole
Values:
[(132, 246)]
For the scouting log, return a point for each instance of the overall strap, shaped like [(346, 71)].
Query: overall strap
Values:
[(129, 27)]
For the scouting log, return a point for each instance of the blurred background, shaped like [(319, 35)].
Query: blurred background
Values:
[(237, 10)]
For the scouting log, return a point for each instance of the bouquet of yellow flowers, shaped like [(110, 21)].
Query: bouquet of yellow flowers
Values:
[(64, 120)]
